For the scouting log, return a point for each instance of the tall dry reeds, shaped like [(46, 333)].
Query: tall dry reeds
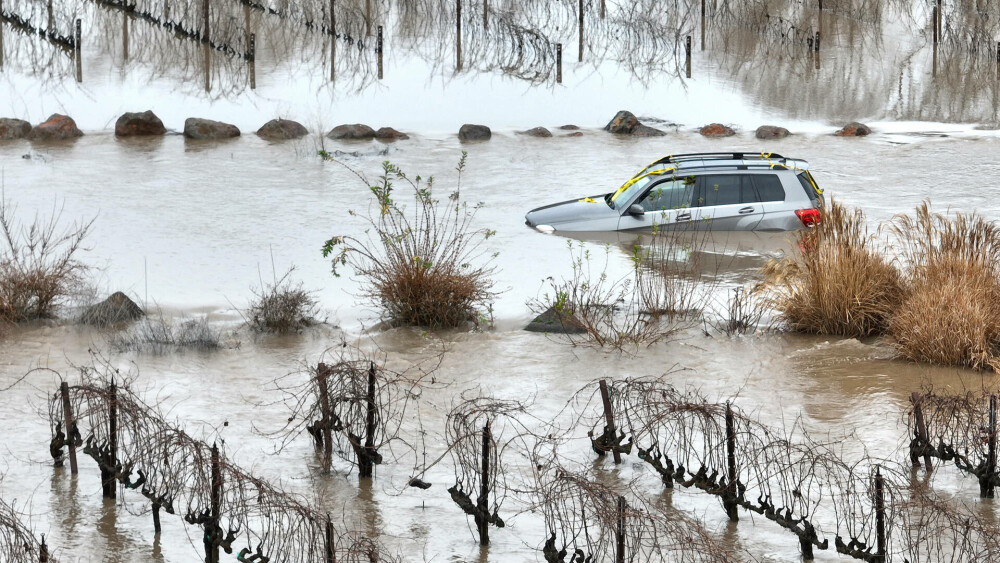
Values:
[(951, 312), (843, 281)]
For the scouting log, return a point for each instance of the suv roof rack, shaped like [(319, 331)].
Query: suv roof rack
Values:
[(677, 158)]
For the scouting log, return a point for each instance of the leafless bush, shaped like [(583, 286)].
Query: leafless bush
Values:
[(744, 308), (17, 542), (158, 334), (425, 266), (281, 307), (39, 264)]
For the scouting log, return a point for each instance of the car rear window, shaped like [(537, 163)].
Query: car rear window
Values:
[(725, 189), (769, 187), (807, 186)]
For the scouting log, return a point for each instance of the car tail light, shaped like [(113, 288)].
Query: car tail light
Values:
[(809, 217)]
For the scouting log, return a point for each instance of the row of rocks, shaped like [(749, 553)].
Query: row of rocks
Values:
[(59, 127), (626, 123)]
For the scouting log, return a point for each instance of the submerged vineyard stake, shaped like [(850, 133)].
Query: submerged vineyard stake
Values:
[(921, 432), (934, 26), (609, 419), (378, 47), (322, 377), (108, 487), (486, 15), (687, 56), (483, 501), (987, 487), (581, 31), (729, 501), (70, 424), (366, 462), (333, 38), (879, 516), (702, 25), (253, 61), (458, 34), (211, 543), (620, 532), (331, 553), (79, 56), (205, 14), (125, 35)]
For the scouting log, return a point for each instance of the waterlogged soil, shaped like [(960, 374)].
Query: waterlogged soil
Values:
[(191, 227)]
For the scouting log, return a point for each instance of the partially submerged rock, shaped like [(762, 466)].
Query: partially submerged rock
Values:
[(537, 132), (569, 127), (11, 128), (352, 132), (556, 322), (145, 123), (197, 128), (471, 132), (390, 134), (717, 130), (282, 129), (626, 123), (57, 127), (117, 308), (770, 132), (854, 129)]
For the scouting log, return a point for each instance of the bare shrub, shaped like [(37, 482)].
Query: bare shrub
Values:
[(840, 283), (423, 266), (158, 335), (744, 309), (38, 263), (951, 314), (282, 307)]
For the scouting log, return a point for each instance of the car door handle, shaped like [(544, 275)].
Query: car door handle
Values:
[(746, 210), (683, 217)]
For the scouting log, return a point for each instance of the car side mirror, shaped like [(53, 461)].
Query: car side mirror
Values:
[(636, 210)]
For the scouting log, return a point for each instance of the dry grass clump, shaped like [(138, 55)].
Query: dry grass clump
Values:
[(423, 265), (158, 335), (842, 283), (38, 263), (281, 307), (951, 314)]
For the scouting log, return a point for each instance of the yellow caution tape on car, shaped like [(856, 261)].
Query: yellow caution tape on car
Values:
[(588, 200), (642, 174)]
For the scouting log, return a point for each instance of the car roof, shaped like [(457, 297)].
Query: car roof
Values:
[(691, 162)]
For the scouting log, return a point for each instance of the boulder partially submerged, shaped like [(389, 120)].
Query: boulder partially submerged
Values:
[(57, 127), (537, 132), (206, 129), (626, 123), (390, 134), (472, 132), (771, 132), (553, 321), (282, 129), (116, 309), (717, 130), (853, 129), (352, 132), (11, 128), (135, 124)]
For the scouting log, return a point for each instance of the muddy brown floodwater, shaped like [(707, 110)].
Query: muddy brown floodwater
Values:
[(191, 227)]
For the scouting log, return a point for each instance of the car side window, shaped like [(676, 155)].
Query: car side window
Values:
[(769, 187), (725, 189), (675, 193)]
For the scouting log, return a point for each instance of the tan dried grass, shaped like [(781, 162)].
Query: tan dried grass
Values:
[(841, 283)]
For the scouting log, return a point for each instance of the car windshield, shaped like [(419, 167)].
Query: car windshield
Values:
[(621, 197)]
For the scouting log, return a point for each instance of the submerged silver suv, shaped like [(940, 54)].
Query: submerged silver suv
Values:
[(718, 191)]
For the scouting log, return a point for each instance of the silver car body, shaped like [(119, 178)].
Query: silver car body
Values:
[(717, 191)]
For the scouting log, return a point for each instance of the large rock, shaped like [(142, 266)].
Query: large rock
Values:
[(56, 128), (13, 129), (556, 322), (390, 134), (626, 123), (537, 132), (281, 129), (352, 132), (139, 124), (470, 132), (197, 128), (717, 130), (117, 308), (854, 129), (771, 132), (569, 127)]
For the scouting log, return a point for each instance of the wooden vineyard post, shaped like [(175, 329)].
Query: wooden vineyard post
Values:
[(378, 48), (816, 48), (205, 11), (687, 56), (125, 35), (934, 26), (43, 551), (920, 432), (986, 482), (940, 16), (322, 377), (108, 487), (486, 15), (620, 532), (366, 462), (559, 62), (609, 419), (458, 34), (331, 552), (368, 18), (483, 502), (1, 37), (879, 516), (581, 32), (211, 543), (604, 9), (729, 501), (70, 424), (50, 28)]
